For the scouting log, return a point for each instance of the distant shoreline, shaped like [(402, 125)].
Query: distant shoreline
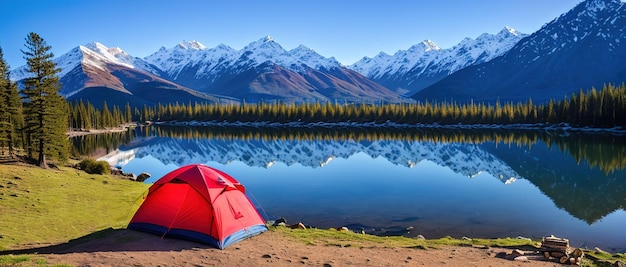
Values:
[(529, 127), (458, 126)]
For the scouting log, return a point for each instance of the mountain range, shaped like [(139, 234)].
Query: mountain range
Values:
[(583, 48), (409, 71), (580, 49)]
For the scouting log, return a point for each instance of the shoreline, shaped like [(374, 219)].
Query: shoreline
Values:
[(530, 127), (81, 132), (459, 126)]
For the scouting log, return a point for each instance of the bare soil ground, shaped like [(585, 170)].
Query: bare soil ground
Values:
[(131, 248)]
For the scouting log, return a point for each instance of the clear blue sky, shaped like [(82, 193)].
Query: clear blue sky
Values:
[(345, 29)]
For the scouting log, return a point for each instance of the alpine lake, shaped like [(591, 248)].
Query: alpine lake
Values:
[(433, 182)]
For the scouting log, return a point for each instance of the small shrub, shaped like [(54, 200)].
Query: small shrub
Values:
[(95, 167)]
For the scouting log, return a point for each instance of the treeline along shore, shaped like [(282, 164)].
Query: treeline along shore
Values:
[(605, 108)]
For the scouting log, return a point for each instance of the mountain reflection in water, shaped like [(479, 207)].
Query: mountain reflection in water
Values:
[(383, 180)]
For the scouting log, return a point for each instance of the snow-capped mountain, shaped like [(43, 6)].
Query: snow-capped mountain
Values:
[(92, 54), (409, 71), (580, 49), (190, 54), (583, 48), (186, 55), (95, 73), (264, 71)]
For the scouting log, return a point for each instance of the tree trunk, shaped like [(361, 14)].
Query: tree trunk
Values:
[(42, 155), (29, 145), (11, 152)]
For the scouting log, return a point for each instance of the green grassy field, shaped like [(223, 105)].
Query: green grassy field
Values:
[(39, 206)]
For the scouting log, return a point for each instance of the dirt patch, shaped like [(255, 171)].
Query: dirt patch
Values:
[(131, 248)]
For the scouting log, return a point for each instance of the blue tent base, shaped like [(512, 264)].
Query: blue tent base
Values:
[(197, 236)]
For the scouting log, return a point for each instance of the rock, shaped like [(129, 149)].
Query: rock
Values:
[(266, 256), (517, 252), (514, 254), (619, 264), (420, 237), (343, 228), (466, 238), (564, 259), (142, 177), (282, 221), (297, 226), (597, 249), (521, 258)]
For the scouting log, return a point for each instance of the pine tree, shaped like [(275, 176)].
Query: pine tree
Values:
[(45, 110), (10, 111)]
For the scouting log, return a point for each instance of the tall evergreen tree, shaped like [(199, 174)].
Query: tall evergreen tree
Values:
[(11, 111), (45, 109), (5, 122)]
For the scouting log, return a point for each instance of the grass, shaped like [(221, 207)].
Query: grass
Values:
[(39, 206), (350, 239)]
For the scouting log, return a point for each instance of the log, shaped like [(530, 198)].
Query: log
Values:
[(555, 246), (577, 253), (564, 259)]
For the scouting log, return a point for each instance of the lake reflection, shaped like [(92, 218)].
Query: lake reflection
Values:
[(481, 185)]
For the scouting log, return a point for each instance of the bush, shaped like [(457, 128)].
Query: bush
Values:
[(95, 167)]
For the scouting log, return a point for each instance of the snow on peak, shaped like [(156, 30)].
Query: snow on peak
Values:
[(264, 43), (302, 56), (96, 53), (424, 46), (212, 60), (430, 45), (191, 45), (297, 59), (172, 60), (508, 30), (302, 48), (427, 56)]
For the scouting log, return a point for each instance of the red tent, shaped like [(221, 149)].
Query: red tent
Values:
[(199, 203)]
